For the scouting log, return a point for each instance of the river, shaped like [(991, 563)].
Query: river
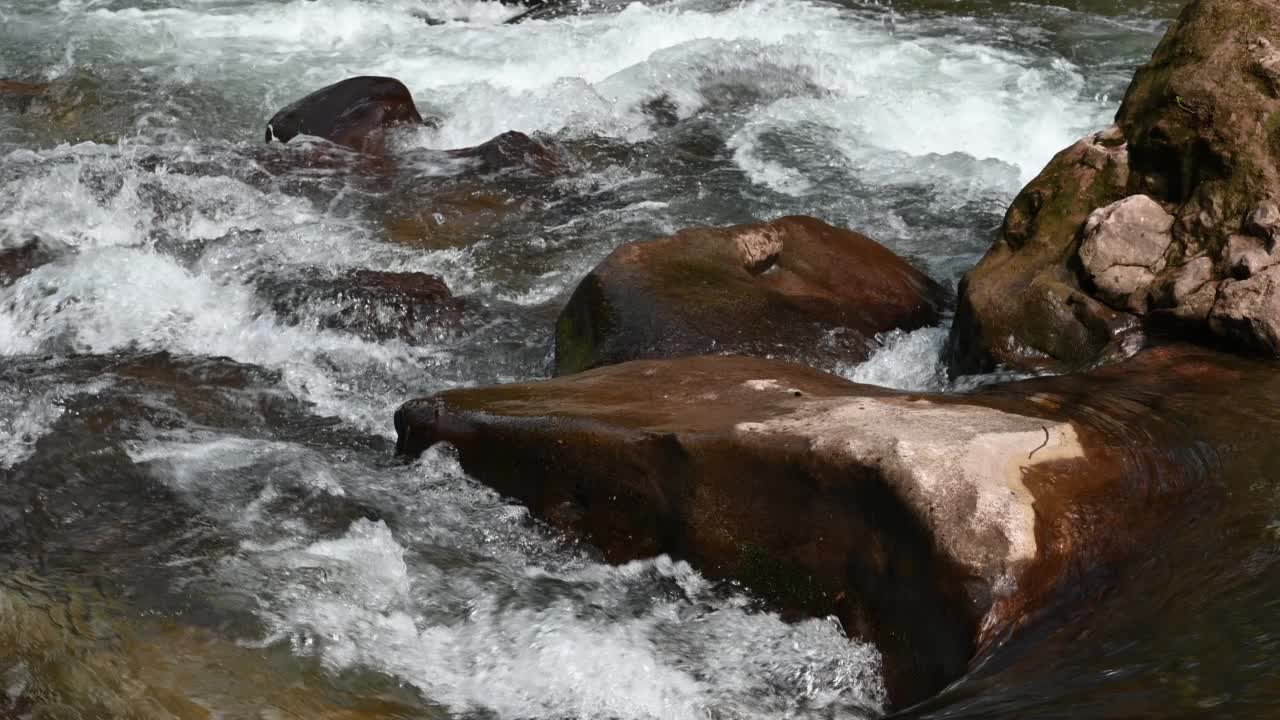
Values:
[(204, 469)]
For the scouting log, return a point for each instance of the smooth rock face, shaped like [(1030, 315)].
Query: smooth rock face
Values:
[(792, 288), (354, 112), (1196, 136), (930, 525)]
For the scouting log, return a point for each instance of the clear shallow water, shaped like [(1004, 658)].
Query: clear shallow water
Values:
[(254, 495)]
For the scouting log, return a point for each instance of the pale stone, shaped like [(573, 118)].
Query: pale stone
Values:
[(958, 467), (1123, 249), (1247, 255), (1264, 222)]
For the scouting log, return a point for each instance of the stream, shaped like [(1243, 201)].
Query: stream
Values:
[(199, 507)]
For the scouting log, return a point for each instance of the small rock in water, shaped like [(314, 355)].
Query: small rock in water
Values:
[(355, 112), (455, 218), (18, 261), (514, 150), (370, 303)]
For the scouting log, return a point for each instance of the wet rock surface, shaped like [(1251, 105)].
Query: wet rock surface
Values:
[(932, 525), (1022, 305), (16, 262), (789, 288), (513, 151), (374, 304), (354, 112)]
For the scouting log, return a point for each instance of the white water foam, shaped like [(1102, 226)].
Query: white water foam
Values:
[(115, 289), (877, 86), (483, 610), (904, 361), (527, 626)]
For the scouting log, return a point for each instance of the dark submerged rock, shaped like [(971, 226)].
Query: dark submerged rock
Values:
[(375, 304), (794, 288), (18, 95), (16, 262), (454, 217), (355, 112), (931, 525), (513, 150)]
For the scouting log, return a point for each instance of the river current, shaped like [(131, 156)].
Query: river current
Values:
[(213, 470)]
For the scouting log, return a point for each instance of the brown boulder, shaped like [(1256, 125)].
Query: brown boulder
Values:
[(355, 112), (1197, 138), (793, 288), (931, 525)]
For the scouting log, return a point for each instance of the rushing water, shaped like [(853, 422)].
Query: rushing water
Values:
[(175, 438)]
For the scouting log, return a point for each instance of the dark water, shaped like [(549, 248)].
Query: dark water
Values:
[(198, 507)]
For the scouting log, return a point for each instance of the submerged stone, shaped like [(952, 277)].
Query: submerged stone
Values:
[(375, 304), (16, 262)]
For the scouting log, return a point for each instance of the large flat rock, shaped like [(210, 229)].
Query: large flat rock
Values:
[(932, 525)]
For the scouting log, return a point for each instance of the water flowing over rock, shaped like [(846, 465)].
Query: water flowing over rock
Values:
[(18, 94), (791, 288), (513, 151), (371, 303), (72, 649), (15, 262), (354, 112), (1170, 213), (931, 525)]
